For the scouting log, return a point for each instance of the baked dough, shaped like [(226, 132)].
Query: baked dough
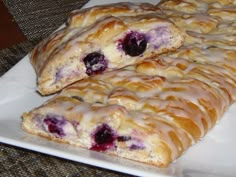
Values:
[(201, 23), (225, 13), (222, 40), (207, 23), (103, 44), (225, 27), (112, 129), (197, 6), (212, 55), (185, 6), (86, 17), (151, 111), (216, 73)]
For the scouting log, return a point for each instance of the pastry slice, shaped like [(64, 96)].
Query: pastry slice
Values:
[(108, 43), (110, 129), (152, 109), (136, 112)]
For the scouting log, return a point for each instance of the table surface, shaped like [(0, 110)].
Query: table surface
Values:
[(23, 24)]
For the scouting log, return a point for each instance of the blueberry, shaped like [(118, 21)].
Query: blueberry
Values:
[(137, 144), (104, 135), (134, 44), (135, 147), (123, 138), (55, 125), (104, 138), (95, 63)]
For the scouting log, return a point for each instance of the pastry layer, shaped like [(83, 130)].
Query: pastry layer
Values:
[(102, 42), (150, 111)]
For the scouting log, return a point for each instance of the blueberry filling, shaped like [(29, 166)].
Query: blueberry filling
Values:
[(59, 74), (134, 44), (136, 144), (136, 147), (123, 138), (55, 125), (158, 37), (104, 138), (104, 135), (75, 124), (95, 63)]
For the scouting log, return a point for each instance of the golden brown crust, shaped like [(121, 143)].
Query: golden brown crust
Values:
[(225, 13), (176, 108), (201, 23), (186, 6), (160, 141), (58, 60), (155, 109), (88, 16)]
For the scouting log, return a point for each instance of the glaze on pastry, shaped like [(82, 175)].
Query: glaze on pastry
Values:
[(151, 112), (105, 43), (154, 110)]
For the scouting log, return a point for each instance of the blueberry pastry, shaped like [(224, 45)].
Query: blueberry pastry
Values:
[(150, 112), (135, 104), (104, 124), (102, 42)]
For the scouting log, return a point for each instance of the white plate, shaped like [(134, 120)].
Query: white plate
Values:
[(214, 156)]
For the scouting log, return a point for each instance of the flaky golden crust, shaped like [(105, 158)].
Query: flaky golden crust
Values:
[(153, 110), (166, 103), (225, 13), (200, 23), (223, 58), (196, 6), (59, 59), (186, 6), (85, 17), (158, 141)]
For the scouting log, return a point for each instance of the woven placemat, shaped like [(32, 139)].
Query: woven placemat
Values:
[(10, 56), (17, 162), (37, 19)]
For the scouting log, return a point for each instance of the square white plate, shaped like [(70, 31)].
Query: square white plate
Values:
[(214, 156)]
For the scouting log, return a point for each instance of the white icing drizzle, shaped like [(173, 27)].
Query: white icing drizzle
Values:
[(161, 129), (150, 99), (77, 17), (186, 6)]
